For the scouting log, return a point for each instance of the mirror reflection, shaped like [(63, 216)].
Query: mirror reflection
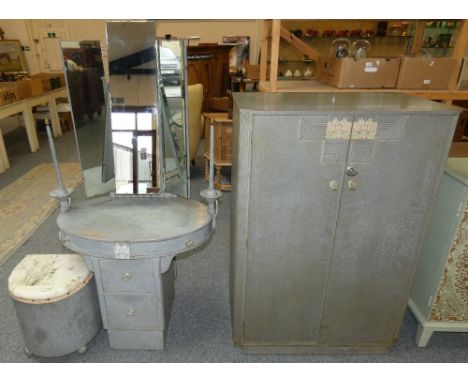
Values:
[(148, 111), (174, 114), (84, 72), (132, 83)]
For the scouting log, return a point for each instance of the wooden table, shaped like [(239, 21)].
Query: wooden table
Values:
[(222, 146), (25, 107)]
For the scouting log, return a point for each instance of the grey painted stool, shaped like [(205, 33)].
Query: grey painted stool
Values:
[(56, 304)]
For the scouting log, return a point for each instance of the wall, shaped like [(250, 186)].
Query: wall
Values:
[(215, 30), (18, 30), (29, 32)]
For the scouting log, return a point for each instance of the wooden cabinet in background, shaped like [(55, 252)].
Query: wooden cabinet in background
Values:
[(208, 64)]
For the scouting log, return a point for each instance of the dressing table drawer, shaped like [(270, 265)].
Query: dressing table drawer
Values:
[(133, 312), (127, 275)]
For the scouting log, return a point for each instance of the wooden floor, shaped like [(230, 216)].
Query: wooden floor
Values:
[(459, 150)]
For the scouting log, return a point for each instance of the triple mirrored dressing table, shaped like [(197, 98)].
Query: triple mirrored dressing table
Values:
[(138, 215)]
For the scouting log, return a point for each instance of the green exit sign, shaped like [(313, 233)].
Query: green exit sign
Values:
[(51, 34)]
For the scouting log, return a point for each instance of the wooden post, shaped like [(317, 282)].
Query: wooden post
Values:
[(4, 163), (30, 125), (264, 51), (418, 37), (275, 42), (458, 53), (462, 40), (299, 44)]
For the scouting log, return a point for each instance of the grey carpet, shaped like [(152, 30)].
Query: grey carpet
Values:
[(200, 329)]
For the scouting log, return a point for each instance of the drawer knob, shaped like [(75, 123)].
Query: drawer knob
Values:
[(126, 276), (352, 185), (188, 243), (130, 312)]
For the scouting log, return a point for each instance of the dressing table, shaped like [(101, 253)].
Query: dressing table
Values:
[(130, 236)]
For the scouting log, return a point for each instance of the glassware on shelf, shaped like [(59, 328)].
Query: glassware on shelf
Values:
[(360, 49), (356, 33), (297, 32), (329, 33), (340, 48), (395, 29), (405, 26), (311, 33), (342, 33)]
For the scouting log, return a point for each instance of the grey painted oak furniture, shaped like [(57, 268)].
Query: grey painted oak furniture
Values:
[(331, 193), (439, 296), (130, 237), (130, 243)]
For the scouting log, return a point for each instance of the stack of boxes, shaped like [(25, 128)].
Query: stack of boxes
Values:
[(365, 73), (410, 73), (35, 85), (405, 73)]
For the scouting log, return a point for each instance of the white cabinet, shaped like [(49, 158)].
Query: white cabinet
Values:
[(439, 297)]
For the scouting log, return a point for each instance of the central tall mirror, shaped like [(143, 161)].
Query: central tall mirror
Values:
[(148, 110), (133, 95)]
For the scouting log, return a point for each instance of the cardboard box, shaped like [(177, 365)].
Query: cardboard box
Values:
[(20, 88), (462, 83), (7, 96), (44, 79), (35, 86), (364, 73), (426, 73), (253, 72), (62, 79)]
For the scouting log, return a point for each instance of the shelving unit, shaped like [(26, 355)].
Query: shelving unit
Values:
[(294, 78), (432, 38), (277, 33)]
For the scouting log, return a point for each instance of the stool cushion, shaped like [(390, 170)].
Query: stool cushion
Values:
[(42, 277)]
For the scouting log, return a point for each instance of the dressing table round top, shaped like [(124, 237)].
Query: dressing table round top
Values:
[(132, 227)]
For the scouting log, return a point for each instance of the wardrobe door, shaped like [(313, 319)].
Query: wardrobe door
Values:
[(296, 170), (393, 165)]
